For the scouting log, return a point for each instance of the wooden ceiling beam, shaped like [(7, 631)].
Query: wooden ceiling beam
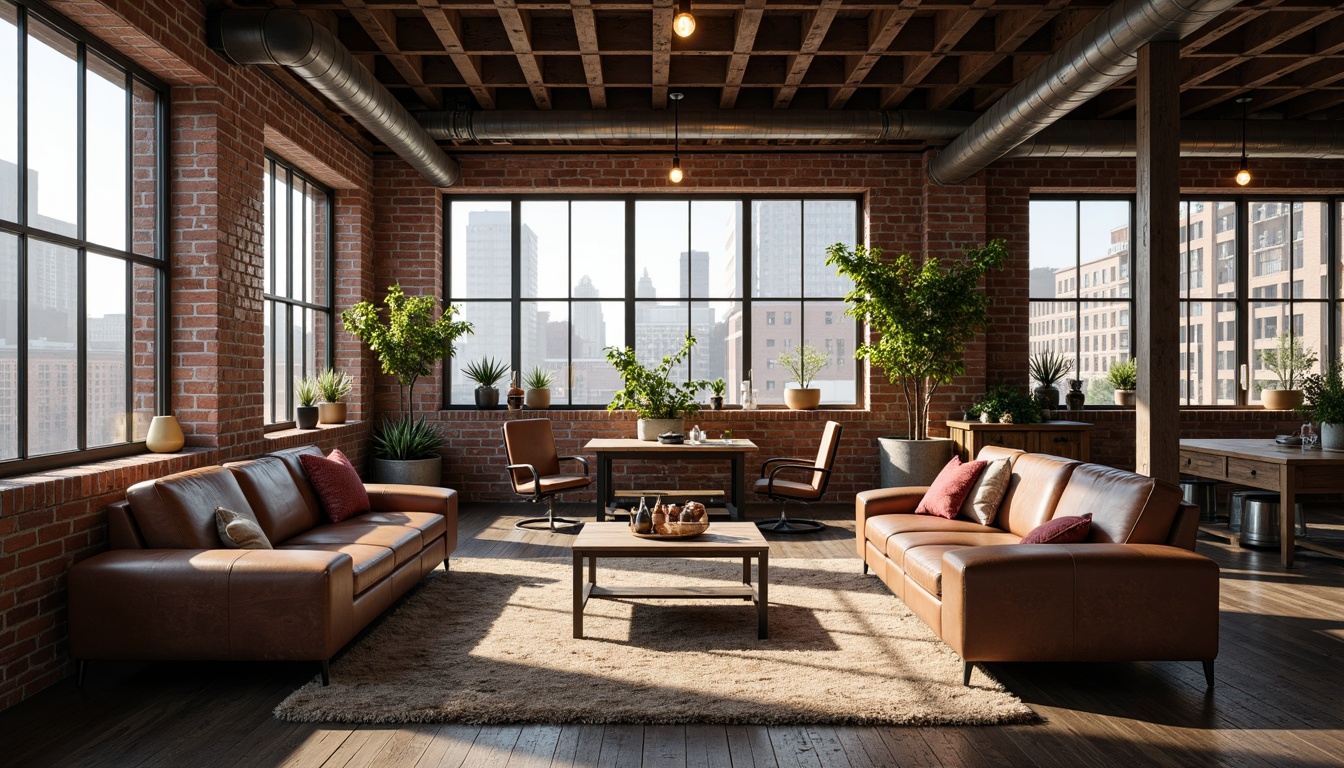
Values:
[(381, 26), (519, 30), (883, 27), (748, 22), (1011, 30), (661, 45), (447, 25), (816, 24), (949, 28), (585, 28)]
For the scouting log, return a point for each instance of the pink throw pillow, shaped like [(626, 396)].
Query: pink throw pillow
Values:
[(337, 485), (1069, 529), (944, 498)]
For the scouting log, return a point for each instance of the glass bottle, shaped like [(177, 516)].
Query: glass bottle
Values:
[(516, 393)]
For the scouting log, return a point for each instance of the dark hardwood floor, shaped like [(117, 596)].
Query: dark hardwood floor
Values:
[(1278, 701)]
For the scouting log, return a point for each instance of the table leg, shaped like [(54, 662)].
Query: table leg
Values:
[(763, 596), (746, 572), (1287, 514), (592, 569), (578, 596), (739, 485), (603, 485)]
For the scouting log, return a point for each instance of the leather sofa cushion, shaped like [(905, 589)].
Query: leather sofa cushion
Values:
[(899, 545), (430, 525), (290, 456), (1126, 508), (1034, 491), (371, 564), (275, 497), (924, 566), (404, 542), (882, 527), (178, 511), (555, 483)]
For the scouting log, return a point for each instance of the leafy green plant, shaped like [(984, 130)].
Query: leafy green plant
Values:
[(334, 385), (1290, 361), (538, 378), (718, 387), (486, 372), (1048, 367), (306, 390), (803, 363), (649, 391), (1124, 374), (1324, 395), (923, 316), (410, 342), (406, 440), (1006, 398)]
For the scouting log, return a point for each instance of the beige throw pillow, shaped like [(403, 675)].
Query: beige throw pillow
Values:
[(982, 503), (240, 530)]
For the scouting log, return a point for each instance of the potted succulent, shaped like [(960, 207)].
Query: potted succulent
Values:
[(307, 393), (1124, 376), (407, 344), (486, 372), (538, 384), (1290, 362), (662, 405), (1046, 369), (921, 315), (803, 363), (335, 387), (1325, 403), (717, 387)]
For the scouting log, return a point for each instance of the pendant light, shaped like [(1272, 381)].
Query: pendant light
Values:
[(1244, 171), (675, 175), (683, 23)]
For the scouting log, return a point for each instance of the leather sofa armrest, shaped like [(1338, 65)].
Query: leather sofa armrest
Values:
[(1079, 602), (883, 501), (386, 497), (211, 604)]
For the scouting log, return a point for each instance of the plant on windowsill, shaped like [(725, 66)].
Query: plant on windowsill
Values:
[(1290, 362), (803, 364), (335, 387), (538, 384), (407, 344), (662, 405), (1324, 394), (486, 372), (717, 387), (1047, 368), (1124, 376), (307, 393), (1008, 404), (922, 315)]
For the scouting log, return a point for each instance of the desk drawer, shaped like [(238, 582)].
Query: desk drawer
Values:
[(1258, 474), (1004, 439), (1066, 444), (1203, 465)]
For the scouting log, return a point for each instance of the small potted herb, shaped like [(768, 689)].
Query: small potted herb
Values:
[(538, 384), (1124, 376), (486, 372), (1008, 404), (306, 392), (1289, 362), (335, 387), (718, 387), (803, 364)]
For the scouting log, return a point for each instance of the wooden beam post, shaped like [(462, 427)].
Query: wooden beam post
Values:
[(1157, 268)]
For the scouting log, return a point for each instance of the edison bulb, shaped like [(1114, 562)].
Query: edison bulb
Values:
[(1243, 176), (675, 175), (683, 24)]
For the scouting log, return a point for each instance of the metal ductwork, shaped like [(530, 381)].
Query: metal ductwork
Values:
[(1099, 56), (294, 41), (1309, 139), (778, 125)]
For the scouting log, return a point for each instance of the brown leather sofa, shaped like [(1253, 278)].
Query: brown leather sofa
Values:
[(168, 590), (1134, 591)]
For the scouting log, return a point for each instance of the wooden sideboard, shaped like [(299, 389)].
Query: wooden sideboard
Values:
[(1070, 439)]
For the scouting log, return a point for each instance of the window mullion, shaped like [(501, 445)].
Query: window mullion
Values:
[(81, 255)]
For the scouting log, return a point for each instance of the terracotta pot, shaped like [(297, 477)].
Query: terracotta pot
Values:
[(802, 399), (1124, 397), (538, 398), (305, 417), (165, 435), (1281, 399), (331, 413)]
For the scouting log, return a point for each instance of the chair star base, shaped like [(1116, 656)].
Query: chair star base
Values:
[(554, 524), (783, 524)]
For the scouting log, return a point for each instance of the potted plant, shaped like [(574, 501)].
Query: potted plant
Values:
[(922, 316), (1124, 376), (335, 387), (407, 344), (1008, 404), (803, 363), (306, 392), (1290, 362), (1046, 369), (486, 372), (538, 383), (662, 405), (717, 387), (1325, 403)]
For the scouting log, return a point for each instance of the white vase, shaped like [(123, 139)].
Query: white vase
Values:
[(1332, 437)]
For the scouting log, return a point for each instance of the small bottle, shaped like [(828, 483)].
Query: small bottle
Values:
[(516, 393), (642, 521)]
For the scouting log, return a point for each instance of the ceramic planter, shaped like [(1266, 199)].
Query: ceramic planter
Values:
[(331, 413), (1281, 399), (716, 403), (1124, 397), (487, 398), (165, 435), (802, 399), (650, 429), (305, 417), (912, 462), (538, 398), (1046, 396), (413, 472)]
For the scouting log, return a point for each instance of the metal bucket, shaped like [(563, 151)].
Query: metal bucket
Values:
[(1260, 522)]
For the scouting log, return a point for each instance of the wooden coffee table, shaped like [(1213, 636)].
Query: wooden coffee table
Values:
[(742, 540)]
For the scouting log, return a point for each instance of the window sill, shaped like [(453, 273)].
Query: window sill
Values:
[(321, 431), (80, 481)]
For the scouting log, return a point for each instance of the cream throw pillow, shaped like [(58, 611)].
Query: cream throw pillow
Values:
[(982, 503), (240, 530)]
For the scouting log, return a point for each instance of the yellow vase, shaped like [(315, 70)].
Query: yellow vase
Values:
[(165, 435)]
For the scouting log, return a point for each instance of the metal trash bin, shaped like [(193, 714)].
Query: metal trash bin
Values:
[(1203, 493), (1260, 520)]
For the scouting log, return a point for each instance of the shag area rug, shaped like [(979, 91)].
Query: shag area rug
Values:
[(491, 642)]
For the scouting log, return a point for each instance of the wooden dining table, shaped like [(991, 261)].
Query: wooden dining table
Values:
[(609, 450), (1263, 463)]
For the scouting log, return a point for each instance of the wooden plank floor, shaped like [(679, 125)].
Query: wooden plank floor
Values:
[(1278, 701)]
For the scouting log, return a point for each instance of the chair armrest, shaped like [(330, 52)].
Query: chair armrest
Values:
[(770, 484), (1079, 602), (765, 464), (536, 479), (387, 497), (211, 604), (579, 459)]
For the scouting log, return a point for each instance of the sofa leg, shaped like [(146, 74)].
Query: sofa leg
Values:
[(445, 564), (80, 667), (865, 567), (326, 672), (966, 669), (1208, 673)]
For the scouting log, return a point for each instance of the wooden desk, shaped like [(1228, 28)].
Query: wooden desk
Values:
[(1070, 439), (1262, 463), (609, 450)]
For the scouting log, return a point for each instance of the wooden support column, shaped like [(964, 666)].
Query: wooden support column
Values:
[(1157, 267)]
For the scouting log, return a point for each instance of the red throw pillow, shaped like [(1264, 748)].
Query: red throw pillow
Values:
[(945, 496), (337, 485), (1069, 529)]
